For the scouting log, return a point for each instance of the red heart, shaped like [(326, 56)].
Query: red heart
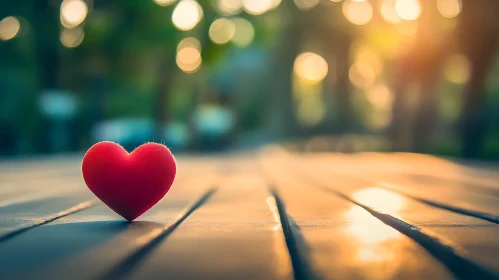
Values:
[(130, 184)]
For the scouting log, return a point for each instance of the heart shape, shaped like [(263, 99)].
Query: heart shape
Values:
[(130, 184)]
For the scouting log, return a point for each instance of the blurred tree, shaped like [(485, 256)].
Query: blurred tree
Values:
[(478, 34), (281, 114), (419, 63)]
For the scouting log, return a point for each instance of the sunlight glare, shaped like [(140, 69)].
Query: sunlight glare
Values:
[(381, 200), (375, 255), (367, 229), (273, 209)]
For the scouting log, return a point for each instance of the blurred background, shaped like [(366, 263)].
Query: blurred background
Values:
[(210, 75)]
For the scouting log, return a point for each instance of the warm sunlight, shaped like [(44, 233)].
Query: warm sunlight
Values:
[(367, 229), (381, 200)]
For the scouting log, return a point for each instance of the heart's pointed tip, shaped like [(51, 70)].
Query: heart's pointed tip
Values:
[(129, 220)]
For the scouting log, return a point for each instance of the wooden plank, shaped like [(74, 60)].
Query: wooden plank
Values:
[(234, 236), (443, 192), (19, 216), (94, 241), (344, 241), (33, 198), (440, 192), (471, 238)]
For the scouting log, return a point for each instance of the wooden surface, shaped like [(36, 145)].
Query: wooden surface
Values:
[(271, 214)]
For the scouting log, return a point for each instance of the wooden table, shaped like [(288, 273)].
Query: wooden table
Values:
[(269, 214)]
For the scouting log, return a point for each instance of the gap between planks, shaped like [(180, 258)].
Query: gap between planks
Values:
[(301, 267), (463, 211), (148, 242), (461, 267), (48, 219)]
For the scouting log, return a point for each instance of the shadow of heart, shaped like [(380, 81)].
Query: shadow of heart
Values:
[(52, 243)]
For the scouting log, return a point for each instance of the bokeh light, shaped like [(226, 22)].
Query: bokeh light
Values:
[(257, 7), (72, 38), (9, 27), (222, 31), (457, 69), (189, 55), (358, 12), (189, 42), (229, 7), (244, 32), (388, 11), (366, 54), (187, 15), (311, 67), (449, 8), (311, 112), (380, 97), (164, 2), (306, 4), (408, 9), (362, 74), (73, 13)]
